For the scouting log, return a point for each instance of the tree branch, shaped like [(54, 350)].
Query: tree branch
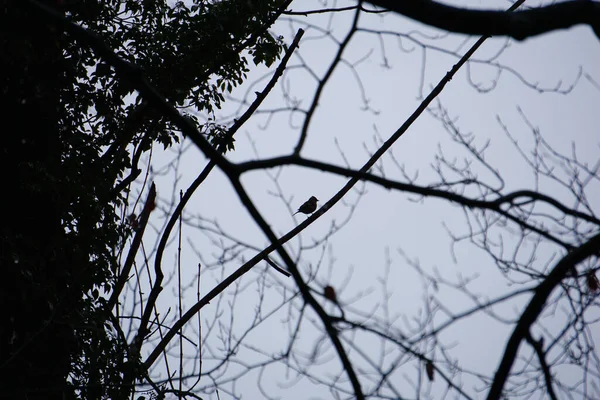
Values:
[(535, 307), (492, 205), (137, 240), (135, 76), (538, 346), (518, 25)]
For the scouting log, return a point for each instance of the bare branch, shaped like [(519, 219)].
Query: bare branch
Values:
[(535, 307), (519, 25)]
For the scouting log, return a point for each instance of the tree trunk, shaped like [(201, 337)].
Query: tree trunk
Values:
[(37, 298)]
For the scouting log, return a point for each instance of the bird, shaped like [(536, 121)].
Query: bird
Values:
[(309, 207)]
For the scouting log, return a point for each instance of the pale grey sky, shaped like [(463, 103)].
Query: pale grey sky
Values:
[(354, 259)]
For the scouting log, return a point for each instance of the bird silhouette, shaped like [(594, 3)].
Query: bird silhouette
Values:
[(309, 207)]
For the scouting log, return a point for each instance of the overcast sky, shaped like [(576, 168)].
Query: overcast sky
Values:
[(393, 74)]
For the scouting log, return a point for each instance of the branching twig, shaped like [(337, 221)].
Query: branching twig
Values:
[(535, 307), (539, 350), (141, 223)]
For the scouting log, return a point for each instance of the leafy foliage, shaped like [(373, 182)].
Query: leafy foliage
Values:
[(191, 54)]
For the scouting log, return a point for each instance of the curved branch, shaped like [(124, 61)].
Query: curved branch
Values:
[(518, 25), (323, 82), (493, 205), (535, 307)]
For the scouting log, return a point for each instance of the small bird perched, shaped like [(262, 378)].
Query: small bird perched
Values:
[(309, 207)]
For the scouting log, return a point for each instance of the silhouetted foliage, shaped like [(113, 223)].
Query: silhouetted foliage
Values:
[(74, 133)]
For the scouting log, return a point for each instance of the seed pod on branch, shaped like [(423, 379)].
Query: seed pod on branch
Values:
[(329, 293), (430, 370), (592, 281)]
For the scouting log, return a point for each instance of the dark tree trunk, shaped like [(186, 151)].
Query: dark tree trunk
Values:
[(37, 298)]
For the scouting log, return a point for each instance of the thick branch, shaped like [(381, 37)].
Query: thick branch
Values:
[(492, 205), (535, 307), (518, 25), (277, 162)]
